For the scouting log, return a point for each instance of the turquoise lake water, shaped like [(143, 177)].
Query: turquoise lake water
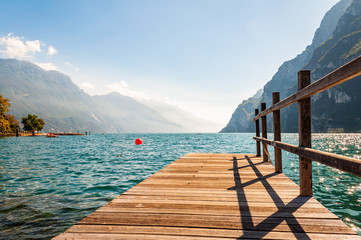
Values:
[(48, 184)]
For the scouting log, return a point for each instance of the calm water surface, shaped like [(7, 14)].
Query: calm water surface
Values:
[(48, 184)]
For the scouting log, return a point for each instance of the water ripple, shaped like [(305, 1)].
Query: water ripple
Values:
[(47, 185)]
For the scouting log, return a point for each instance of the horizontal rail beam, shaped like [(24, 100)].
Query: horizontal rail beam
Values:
[(346, 164), (340, 75)]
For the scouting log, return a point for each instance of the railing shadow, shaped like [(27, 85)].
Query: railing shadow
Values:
[(284, 213)]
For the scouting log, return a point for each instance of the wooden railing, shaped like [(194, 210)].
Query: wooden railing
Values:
[(304, 150)]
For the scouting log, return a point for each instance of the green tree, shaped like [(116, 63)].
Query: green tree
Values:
[(32, 123), (4, 107)]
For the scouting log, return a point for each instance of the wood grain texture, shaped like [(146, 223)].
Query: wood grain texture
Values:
[(343, 163), (258, 145), (213, 196), (277, 132), (264, 134), (304, 133)]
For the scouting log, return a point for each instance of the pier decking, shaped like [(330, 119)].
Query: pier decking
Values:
[(213, 196)]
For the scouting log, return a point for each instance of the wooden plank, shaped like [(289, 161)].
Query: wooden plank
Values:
[(223, 212), (277, 132), (247, 210), (304, 133), (194, 218), (68, 236), (242, 199), (114, 232), (212, 197), (340, 75), (258, 145), (264, 133), (199, 221)]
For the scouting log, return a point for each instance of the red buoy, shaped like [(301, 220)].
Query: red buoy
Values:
[(138, 141)]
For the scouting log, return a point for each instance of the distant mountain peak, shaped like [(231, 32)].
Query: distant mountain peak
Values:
[(64, 107), (286, 77)]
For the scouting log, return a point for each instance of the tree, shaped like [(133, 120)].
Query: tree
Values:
[(4, 107), (4, 125), (32, 123), (14, 123)]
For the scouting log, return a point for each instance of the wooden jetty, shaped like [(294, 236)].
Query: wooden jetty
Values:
[(213, 196), (233, 196)]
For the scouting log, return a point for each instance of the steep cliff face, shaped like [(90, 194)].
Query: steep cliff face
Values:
[(336, 107), (241, 117), (286, 76)]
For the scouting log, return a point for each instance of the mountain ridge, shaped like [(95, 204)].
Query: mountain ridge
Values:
[(285, 79), (65, 107)]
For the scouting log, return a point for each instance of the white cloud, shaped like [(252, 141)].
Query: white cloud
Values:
[(86, 86), (51, 50), (71, 65), (16, 47), (123, 88), (47, 66)]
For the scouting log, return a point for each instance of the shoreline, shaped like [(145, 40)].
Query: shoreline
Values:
[(42, 134)]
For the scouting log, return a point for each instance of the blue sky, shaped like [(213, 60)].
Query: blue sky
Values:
[(203, 56)]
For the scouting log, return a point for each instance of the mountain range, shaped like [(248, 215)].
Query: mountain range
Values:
[(336, 42), (64, 107)]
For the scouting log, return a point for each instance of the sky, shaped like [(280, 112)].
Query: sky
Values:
[(204, 56)]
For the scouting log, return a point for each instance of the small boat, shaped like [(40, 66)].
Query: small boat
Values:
[(51, 135)]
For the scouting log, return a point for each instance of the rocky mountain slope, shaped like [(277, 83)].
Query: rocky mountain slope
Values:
[(65, 107), (50, 95), (337, 33), (337, 107), (130, 115)]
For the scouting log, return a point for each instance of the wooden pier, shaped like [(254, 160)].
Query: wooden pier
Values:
[(213, 196), (233, 196)]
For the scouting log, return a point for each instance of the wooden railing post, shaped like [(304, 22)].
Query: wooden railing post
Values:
[(304, 131), (264, 133), (258, 144), (277, 132)]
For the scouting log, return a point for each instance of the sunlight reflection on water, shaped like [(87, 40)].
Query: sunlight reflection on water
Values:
[(47, 185)]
